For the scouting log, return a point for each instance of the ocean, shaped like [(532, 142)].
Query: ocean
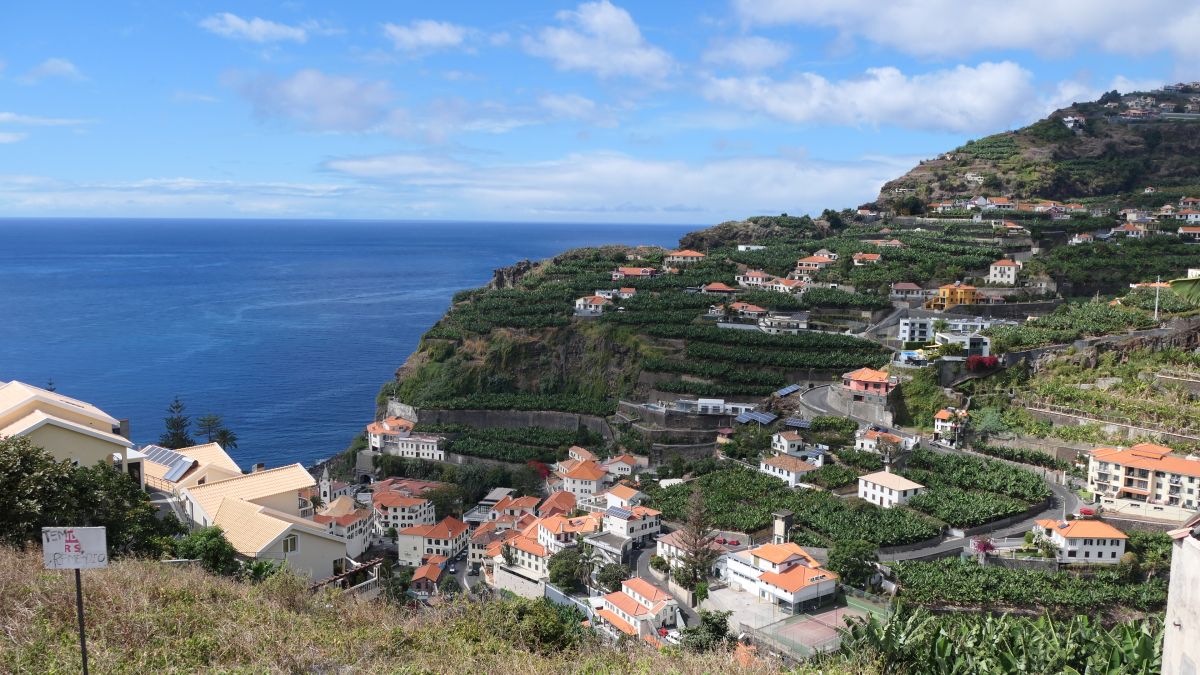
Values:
[(284, 328)]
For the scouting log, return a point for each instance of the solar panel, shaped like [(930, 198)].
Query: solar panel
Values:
[(797, 423), (788, 390), (178, 464), (618, 512), (743, 418), (763, 418)]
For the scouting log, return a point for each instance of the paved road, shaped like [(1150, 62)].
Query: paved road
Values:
[(817, 399), (641, 566)]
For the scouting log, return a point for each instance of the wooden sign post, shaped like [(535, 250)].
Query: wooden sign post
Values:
[(75, 548)]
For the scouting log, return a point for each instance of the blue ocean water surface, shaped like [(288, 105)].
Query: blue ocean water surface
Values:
[(284, 328)]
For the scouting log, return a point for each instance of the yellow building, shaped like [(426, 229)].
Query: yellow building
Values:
[(953, 294), (67, 428)]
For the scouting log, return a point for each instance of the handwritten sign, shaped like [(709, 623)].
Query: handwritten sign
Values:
[(74, 548)]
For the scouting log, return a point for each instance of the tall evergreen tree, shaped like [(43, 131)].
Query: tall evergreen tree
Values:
[(178, 426), (207, 426), (696, 539)]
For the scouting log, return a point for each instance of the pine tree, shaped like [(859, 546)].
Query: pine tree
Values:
[(696, 539), (176, 436), (207, 426)]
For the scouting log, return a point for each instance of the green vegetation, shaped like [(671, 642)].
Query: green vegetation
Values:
[(915, 641), (962, 508), (514, 401), (1109, 267), (743, 500), (39, 491), (832, 476), (959, 583), (1021, 455), (921, 397), (519, 445), (852, 561), (1067, 324), (934, 469)]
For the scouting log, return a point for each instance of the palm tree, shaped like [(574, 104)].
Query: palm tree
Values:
[(225, 438), (587, 562)]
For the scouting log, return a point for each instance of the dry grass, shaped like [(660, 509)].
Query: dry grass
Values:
[(146, 617)]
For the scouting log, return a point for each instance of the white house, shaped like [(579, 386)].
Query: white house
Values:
[(1004, 272), (948, 423), (638, 523), (861, 259), (1081, 238), (633, 273), (750, 247), (813, 263), (394, 436), (782, 574), (683, 257), (1083, 541), (446, 538), (623, 496), (345, 519), (780, 323), (559, 532), (753, 278), (622, 466), (787, 442), (259, 532), (638, 610), (790, 470), (582, 478), (869, 440), (887, 489), (591, 305)]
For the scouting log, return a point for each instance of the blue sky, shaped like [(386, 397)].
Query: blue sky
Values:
[(595, 111)]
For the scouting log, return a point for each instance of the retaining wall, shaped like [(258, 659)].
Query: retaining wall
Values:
[(515, 419)]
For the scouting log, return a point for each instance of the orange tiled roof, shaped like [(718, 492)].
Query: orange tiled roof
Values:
[(867, 375), (780, 553), (395, 500), (686, 253), (797, 577), (1004, 263), (1149, 456), (588, 470), (558, 502), (1075, 529), (390, 426), (815, 259), (428, 571), (448, 528), (623, 492), (650, 592), (621, 624)]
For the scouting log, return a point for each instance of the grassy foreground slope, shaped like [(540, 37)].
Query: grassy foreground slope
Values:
[(145, 617)]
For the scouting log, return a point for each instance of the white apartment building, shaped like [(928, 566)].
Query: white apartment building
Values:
[(887, 489), (787, 442), (394, 436), (393, 509), (345, 519), (1083, 541), (920, 328), (1147, 480), (446, 538), (638, 610)]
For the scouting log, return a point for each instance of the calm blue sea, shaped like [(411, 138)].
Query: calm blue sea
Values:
[(285, 328)]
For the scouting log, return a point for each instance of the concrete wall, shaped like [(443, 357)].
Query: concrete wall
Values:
[(1021, 563), (518, 584), (1008, 310), (1181, 654), (874, 409), (1003, 522)]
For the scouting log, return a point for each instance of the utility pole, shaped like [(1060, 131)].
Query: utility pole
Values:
[(1157, 290)]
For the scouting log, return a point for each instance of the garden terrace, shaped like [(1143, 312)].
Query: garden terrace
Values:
[(964, 583), (742, 500), (1067, 324), (518, 445), (1109, 267)]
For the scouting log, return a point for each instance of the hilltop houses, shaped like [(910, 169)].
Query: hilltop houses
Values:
[(813, 263), (861, 259), (591, 305), (634, 273), (394, 436)]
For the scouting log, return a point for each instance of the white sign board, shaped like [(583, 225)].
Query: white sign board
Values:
[(74, 548)]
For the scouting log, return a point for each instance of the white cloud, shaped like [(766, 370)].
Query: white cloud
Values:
[(254, 30), (318, 101), (602, 39), (612, 186), (748, 53), (953, 28), (987, 97), (392, 166), (52, 67), (12, 136), (34, 121), (576, 107), (425, 35)]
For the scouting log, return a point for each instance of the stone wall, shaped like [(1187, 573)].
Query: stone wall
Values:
[(873, 409), (1008, 310), (515, 419), (516, 583), (1021, 563)]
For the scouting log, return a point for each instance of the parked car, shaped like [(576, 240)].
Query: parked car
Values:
[(453, 570)]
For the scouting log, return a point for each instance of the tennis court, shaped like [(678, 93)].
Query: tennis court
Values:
[(807, 634)]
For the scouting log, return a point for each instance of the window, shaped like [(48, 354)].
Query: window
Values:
[(290, 544)]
